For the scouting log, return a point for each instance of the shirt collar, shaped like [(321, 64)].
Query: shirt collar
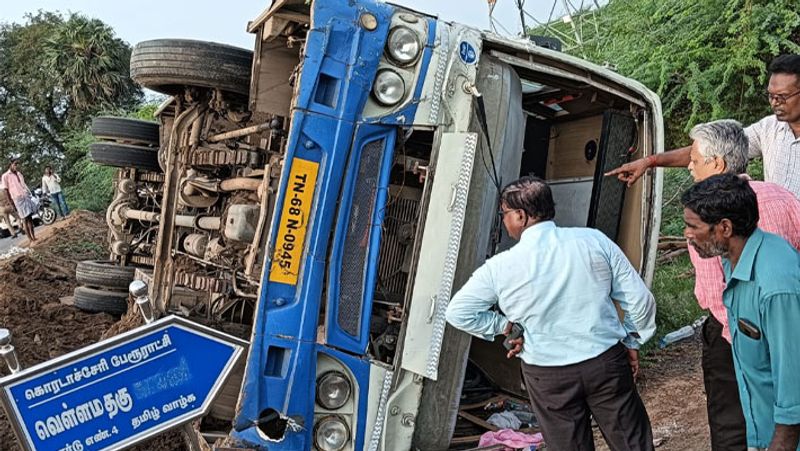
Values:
[(785, 128), (537, 229), (744, 268)]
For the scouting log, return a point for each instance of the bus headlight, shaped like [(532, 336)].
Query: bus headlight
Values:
[(333, 390), (331, 434), (389, 88), (403, 45)]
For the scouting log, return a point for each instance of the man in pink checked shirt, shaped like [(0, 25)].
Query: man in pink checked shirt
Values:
[(721, 147)]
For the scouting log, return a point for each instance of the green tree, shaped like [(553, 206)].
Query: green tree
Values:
[(55, 73), (92, 186), (707, 60)]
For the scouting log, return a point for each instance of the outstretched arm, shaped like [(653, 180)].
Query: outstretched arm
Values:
[(633, 171)]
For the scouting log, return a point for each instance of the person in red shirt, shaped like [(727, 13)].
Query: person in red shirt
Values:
[(721, 147), (20, 197)]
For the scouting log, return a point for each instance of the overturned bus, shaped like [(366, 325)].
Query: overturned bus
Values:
[(331, 190)]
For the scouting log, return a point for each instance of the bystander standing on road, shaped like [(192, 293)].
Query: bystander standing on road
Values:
[(7, 210), (775, 138), (51, 185), (19, 194), (721, 147), (762, 298), (559, 285)]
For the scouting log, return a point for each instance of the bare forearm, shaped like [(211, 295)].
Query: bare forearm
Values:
[(675, 158), (786, 437)]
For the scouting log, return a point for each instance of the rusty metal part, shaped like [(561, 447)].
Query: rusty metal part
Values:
[(198, 222), (202, 283), (241, 293), (203, 192), (195, 244), (209, 222), (120, 247), (163, 276), (151, 177), (141, 260), (205, 156), (241, 132), (139, 215), (199, 192), (126, 186), (254, 250), (240, 183)]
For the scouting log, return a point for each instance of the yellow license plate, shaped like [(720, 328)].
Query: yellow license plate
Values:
[(295, 214)]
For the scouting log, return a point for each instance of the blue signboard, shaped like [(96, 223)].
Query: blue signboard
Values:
[(122, 390), (467, 52)]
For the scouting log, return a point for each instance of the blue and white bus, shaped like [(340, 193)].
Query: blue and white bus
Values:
[(403, 127)]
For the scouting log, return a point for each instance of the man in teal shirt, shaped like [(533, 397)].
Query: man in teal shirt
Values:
[(762, 295)]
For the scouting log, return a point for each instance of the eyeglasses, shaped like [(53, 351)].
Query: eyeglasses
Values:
[(502, 213), (780, 98)]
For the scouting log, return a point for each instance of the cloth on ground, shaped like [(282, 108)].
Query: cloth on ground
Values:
[(514, 440), (505, 420)]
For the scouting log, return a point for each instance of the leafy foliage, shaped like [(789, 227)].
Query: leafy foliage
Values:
[(673, 288), (93, 185), (55, 72), (707, 60)]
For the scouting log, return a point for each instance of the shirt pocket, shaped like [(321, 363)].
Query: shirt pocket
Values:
[(751, 353)]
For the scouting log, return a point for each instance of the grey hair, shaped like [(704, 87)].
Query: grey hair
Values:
[(725, 139)]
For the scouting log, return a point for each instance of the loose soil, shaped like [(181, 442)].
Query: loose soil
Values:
[(42, 328), (671, 387), (31, 285)]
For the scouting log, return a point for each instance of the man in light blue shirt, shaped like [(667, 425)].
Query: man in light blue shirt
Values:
[(762, 296), (560, 285)]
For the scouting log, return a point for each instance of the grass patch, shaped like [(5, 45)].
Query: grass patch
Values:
[(83, 250), (676, 306), (673, 288)]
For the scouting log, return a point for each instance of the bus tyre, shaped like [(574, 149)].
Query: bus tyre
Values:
[(101, 301), (125, 156), (104, 274), (169, 65), (126, 130)]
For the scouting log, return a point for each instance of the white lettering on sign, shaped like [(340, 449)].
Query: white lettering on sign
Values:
[(151, 414), (138, 355), (110, 404), (141, 353), (180, 403)]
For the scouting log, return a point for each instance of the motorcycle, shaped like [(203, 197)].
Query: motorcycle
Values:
[(47, 214)]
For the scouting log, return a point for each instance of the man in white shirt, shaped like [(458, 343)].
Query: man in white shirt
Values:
[(560, 285), (775, 138), (51, 184)]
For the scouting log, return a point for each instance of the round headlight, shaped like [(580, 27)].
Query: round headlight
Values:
[(331, 434), (333, 390), (389, 87), (403, 45)]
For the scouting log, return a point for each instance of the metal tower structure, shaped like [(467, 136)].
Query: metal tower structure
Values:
[(580, 19)]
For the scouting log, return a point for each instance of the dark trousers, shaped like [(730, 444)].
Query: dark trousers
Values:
[(563, 397), (725, 417)]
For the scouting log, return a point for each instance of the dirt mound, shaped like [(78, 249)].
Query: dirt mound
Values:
[(31, 285)]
